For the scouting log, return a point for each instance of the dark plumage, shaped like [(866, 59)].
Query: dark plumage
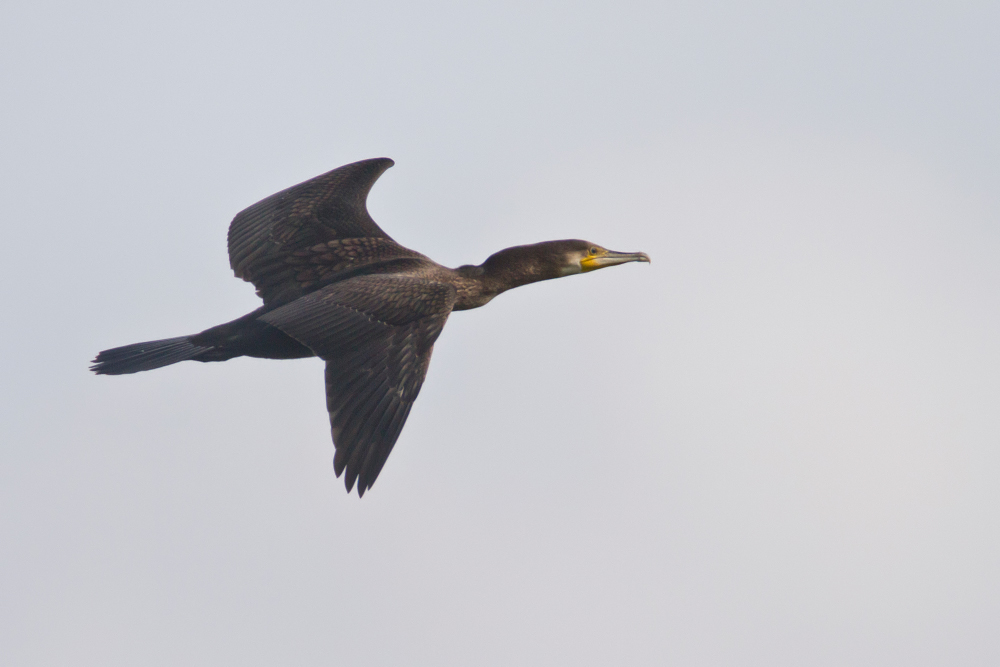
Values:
[(337, 287)]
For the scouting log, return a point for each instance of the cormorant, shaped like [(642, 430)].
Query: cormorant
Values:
[(337, 287)]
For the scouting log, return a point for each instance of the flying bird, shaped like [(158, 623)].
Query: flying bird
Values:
[(337, 287)]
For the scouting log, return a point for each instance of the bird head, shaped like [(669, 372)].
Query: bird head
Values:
[(583, 257), (525, 264)]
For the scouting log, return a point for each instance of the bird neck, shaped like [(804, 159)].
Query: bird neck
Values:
[(502, 271), (520, 265)]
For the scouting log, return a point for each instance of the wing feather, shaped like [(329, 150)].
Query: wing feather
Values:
[(305, 236), (376, 334)]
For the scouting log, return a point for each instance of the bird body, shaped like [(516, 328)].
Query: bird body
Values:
[(336, 286)]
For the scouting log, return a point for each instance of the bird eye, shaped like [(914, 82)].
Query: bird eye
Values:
[(594, 250)]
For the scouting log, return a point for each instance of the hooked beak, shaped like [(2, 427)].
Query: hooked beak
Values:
[(611, 258)]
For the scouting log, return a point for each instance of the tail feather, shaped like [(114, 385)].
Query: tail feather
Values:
[(145, 356)]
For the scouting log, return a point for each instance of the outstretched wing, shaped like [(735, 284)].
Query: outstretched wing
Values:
[(294, 240), (376, 334)]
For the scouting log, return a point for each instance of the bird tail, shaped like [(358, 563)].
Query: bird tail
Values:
[(146, 356)]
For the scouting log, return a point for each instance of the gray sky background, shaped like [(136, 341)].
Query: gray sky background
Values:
[(779, 444)]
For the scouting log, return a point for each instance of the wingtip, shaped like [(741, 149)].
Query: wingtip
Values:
[(384, 162)]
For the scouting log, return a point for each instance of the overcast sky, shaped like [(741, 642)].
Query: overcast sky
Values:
[(776, 445)]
